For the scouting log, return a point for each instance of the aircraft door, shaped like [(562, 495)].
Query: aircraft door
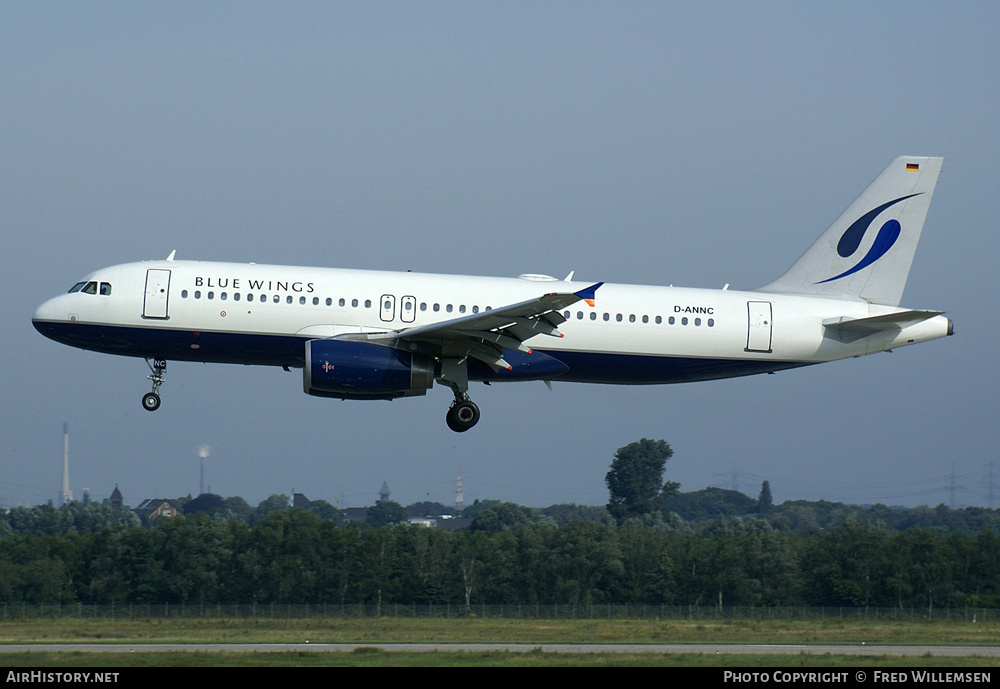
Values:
[(388, 307), (759, 328), (154, 304), (408, 309)]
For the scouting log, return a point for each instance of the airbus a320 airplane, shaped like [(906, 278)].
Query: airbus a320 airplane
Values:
[(370, 335)]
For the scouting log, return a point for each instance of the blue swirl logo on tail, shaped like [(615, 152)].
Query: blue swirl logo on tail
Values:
[(884, 240)]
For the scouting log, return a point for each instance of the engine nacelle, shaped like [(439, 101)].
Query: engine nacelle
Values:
[(362, 371)]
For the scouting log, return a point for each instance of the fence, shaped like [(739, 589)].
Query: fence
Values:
[(13, 611)]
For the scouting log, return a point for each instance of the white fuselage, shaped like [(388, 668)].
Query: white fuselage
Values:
[(635, 334)]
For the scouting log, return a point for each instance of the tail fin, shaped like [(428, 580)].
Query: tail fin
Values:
[(851, 259)]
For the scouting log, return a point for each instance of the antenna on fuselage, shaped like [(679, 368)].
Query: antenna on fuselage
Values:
[(171, 256)]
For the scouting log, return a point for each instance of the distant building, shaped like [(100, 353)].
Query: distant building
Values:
[(206, 502), (355, 514), (154, 508), (383, 493), (117, 502), (299, 500), (66, 496)]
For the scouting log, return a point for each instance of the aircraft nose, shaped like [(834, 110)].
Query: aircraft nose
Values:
[(49, 314), (45, 312)]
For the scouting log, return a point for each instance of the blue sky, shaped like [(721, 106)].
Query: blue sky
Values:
[(694, 144)]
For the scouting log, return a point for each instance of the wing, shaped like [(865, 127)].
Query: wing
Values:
[(485, 335)]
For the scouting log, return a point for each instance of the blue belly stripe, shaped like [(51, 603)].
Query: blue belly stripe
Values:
[(289, 350)]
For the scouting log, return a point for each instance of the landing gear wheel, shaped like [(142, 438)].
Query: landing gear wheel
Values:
[(151, 400), (462, 416)]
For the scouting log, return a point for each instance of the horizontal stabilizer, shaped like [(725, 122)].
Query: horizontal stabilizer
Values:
[(850, 329)]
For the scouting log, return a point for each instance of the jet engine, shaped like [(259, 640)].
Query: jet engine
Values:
[(361, 371)]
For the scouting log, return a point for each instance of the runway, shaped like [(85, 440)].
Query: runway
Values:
[(709, 649)]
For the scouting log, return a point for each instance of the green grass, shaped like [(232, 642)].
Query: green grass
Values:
[(472, 630), (434, 630)]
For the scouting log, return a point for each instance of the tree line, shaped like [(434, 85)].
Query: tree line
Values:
[(295, 556), (651, 544)]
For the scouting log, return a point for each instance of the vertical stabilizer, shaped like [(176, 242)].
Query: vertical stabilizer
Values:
[(866, 254)]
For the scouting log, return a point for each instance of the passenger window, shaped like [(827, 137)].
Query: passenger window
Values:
[(461, 309), (593, 315), (475, 309), (368, 303), (288, 299), (263, 298), (223, 296), (449, 308), (236, 296), (106, 289), (354, 303), (631, 318), (607, 317), (276, 299), (184, 294), (618, 318)]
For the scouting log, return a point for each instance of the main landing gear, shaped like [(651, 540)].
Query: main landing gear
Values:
[(463, 414), (151, 400)]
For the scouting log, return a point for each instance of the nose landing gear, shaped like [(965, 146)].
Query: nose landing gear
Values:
[(151, 400)]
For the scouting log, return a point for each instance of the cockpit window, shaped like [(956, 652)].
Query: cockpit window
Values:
[(92, 288)]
